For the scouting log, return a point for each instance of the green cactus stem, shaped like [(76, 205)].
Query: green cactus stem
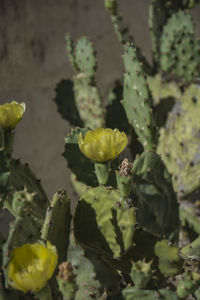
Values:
[(161, 89), (132, 293), (8, 141), (108, 221), (187, 216), (45, 293), (102, 172), (170, 262), (87, 97), (92, 277), (179, 48), (192, 250), (137, 100), (158, 211), (159, 12), (188, 284), (191, 3), (56, 225), (4, 177), (1, 138), (180, 148), (141, 273)]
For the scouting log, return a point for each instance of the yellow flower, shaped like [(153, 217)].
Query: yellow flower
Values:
[(31, 266), (102, 144), (11, 114)]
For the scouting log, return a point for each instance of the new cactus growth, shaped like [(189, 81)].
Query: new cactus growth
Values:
[(133, 235), (170, 262)]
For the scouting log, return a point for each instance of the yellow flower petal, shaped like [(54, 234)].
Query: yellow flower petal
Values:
[(101, 144), (31, 266), (11, 114)]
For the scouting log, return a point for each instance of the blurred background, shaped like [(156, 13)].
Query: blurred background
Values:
[(33, 60)]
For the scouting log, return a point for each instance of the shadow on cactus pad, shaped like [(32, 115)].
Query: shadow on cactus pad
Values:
[(66, 103), (115, 115), (156, 200), (79, 164)]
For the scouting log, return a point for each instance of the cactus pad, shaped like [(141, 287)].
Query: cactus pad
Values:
[(56, 225), (179, 47), (179, 142), (132, 293), (92, 275), (170, 262), (156, 201), (137, 100), (104, 222)]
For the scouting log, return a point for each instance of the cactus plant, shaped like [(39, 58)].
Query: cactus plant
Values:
[(128, 237)]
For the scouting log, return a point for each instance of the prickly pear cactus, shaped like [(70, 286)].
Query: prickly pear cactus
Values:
[(25, 228), (86, 94), (137, 100), (161, 89), (132, 293), (56, 226), (170, 261), (155, 199), (179, 142), (4, 178), (141, 273), (159, 12), (91, 277), (179, 48), (110, 222)]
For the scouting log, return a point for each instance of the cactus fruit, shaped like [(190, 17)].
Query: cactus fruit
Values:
[(156, 201), (66, 280), (110, 222), (137, 100), (56, 226), (181, 136), (124, 178)]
